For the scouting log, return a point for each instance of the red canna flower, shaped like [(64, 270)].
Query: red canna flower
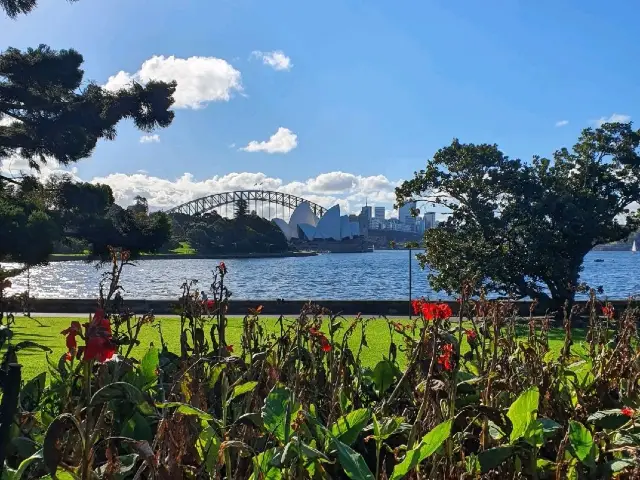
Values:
[(445, 358), (629, 412), (100, 349), (68, 356), (471, 335), (443, 311), (230, 348), (222, 268), (416, 306), (314, 331), (608, 311), (324, 344), (211, 304)]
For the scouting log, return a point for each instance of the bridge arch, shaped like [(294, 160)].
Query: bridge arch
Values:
[(252, 197)]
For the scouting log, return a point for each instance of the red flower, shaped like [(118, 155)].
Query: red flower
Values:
[(443, 311), (609, 311), (433, 311), (222, 268), (445, 358), (416, 305), (99, 348), (210, 303), (71, 332), (68, 356), (314, 331), (324, 344), (230, 348), (471, 335), (629, 412)]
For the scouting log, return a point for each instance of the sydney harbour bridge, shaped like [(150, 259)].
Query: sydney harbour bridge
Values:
[(265, 203)]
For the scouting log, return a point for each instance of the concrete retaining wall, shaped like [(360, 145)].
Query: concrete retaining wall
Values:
[(270, 307)]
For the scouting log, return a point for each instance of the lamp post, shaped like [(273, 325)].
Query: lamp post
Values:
[(410, 246)]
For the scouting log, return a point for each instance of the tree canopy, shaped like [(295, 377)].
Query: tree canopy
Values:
[(247, 233), (521, 228)]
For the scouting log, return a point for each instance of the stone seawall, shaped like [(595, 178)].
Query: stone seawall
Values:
[(180, 256), (270, 307)]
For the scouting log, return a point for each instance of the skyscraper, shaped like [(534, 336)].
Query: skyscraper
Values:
[(367, 212), (429, 220), (379, 213), (404, 214)]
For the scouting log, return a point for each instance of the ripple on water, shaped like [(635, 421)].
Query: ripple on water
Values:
[(372, 276)]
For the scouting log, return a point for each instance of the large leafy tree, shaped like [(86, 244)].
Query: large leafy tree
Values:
[(49, 114), (524, 229)]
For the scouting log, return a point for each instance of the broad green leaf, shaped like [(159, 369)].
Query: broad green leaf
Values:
[(549, 427), (126, 464), (384, 430), (383, 375), (534, 435), (348, 427), (621, 439), (120, 391), (581, 442), (615, 466), (186, 409), (263, 468), (24, 465), (208, 446), (492, 458), (429, 444), (31, 393), (277, 412), (149, 367), (352, 462), (242, 389), (137, 428), (608, 419), (523, 412)]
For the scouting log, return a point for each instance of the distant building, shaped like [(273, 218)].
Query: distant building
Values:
[(405, 213), (379, 213), (367, 212), (429, 220)]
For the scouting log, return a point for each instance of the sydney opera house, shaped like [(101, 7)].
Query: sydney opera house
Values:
[(332, 232)]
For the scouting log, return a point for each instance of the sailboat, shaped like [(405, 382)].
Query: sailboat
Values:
[(634, 249)]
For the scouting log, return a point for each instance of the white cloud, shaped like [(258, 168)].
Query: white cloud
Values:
[(562, 123), (276, 59), (5, 120), (283, 141), (200, 79), (155, 138), (16, 166), (323, 189), (616, 117)]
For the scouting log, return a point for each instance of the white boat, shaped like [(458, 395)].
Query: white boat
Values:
[(634, 249)]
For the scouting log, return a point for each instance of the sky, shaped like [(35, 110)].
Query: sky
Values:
[(338, 101)]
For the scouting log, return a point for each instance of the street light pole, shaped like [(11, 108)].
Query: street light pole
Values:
[(410, 284)]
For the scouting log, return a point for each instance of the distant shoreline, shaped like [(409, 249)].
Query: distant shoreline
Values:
[(189, 256)]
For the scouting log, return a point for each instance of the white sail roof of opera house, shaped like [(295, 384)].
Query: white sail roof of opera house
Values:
[(308, 231), (284, 226), (302, 214), (329, 225)]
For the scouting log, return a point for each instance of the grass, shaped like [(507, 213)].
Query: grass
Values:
[(377, 333), (184, 249)]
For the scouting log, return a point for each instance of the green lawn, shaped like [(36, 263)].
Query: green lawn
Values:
[(184, 249), (34, 361)]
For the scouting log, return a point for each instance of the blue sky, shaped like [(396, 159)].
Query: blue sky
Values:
[(372, 88)]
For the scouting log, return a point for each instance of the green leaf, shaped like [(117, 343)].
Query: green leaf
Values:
[(242, 389), (126, 464), (208, 446), (24, 465), (31, 393), (492, 458), (263, 468), (429, 444), (388, 427), (615, 466), (383, 376), (581, 443), (549, 427), (352, 462), (608, 419), (137, 428), (523, 412), (120, 391), (186, 409), (276, 412), (149, 367), (348, 427)]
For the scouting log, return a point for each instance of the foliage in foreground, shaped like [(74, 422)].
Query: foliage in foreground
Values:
[(524, 228), (298, 403)]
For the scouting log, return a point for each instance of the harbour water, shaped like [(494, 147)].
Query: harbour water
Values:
[(381, 275)]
